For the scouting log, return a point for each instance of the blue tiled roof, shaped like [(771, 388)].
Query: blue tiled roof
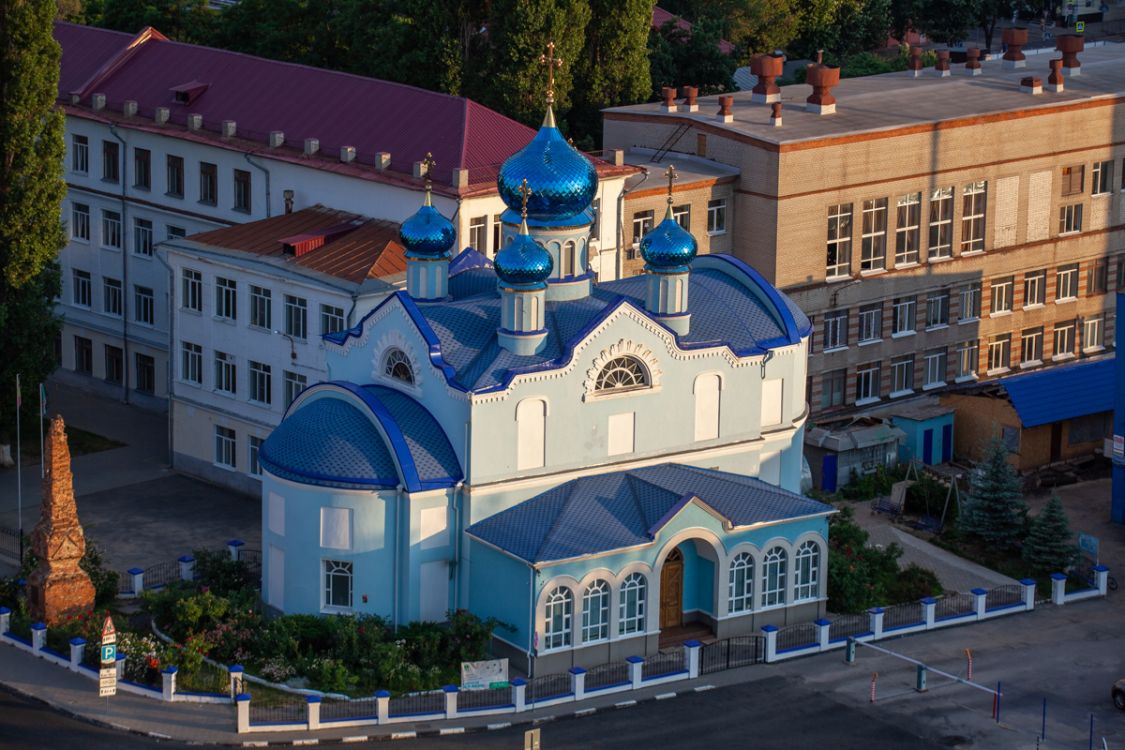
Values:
[(627, 508), (468, 259), (1062, 392), (730, 303), (332, 442)]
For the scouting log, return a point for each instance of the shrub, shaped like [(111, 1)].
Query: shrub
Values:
[(219, 573), (104, 580), (914, 583)]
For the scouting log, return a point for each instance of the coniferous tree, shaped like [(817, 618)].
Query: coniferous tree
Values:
[(31, 194), (995, 511), (1049, 547)]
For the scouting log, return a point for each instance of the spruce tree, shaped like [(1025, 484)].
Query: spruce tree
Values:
[(31, 194), (1048, 547), (995, 511)]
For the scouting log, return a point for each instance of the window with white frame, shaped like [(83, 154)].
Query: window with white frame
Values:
[(682, 215), (974, 196), (937, 308), (79, 153), (907, 229), (192, 297), (208, 183), (145, 370), (642, 225), (871, 322), (1070, 218), (112, 297), (902, 375), (111, 229), (873, 250), (1102, 181), (261, 383), (331, 319), (82, 295), (835, 329), (111, 161), (498, 232), (968, 355), (225, 444), (1064, 339), (839, 261), (806, 571), (191, 363), (1066, 287), (1000, 352), (296, 316), (261, 307), (337, 584), (1031, 346), (970, 301), (226, 375), (144, 305), (595, 612), (173, 232), (253, 450), (773, 577), (396, 365), (631, 608), (622, 374), (905, 315), (595, 226), (226, 298), (558, 611), (717, 216), (1034, 288), (833, 385), (80, 221), (478, 232), (867, 382), (941, 223), (242, 185), (935, 367), (740, 587), (293, 383), (1092, 334), (1002, 295), (142, 237)]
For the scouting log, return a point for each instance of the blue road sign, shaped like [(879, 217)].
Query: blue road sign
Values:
[(109, 653)]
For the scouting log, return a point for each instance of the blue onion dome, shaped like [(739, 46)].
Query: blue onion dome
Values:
[(563, 181), (669, 248), (523, 262), (427, 234)]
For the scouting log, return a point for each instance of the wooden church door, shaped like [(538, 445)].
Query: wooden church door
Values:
[(672, 591)]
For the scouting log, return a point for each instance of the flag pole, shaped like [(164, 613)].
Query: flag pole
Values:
[(19, 470)]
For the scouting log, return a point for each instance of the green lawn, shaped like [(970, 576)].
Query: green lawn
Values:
[(80, 442)]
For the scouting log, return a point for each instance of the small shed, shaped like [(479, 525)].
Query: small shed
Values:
[(861, 444), (928, 425)]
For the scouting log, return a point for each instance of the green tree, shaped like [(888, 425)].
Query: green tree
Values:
[(309, 32), (1049, 546), (191, 21), (995, 511), (31, 194), (680, 58)]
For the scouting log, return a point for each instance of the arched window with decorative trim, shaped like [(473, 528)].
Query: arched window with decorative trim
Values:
[(773, 577), (595, 612), (558, 612), (740, 591), (806, 571), (622, 374), (397, 366), (631, 615)]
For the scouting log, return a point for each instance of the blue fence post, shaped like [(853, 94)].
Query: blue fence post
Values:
[(187, 568), (1028, 593), (519, 694), (636, 665), (929, 609), (169, 683), (138, 575), (5, 616), (980, 602), (77, 648), (822, 629), (1058, 588), (691, 658), (38, 636), (236, 674), (1101, 579), (242, 702), (770, 632), (578, 682), (875, 622), (232, 547)]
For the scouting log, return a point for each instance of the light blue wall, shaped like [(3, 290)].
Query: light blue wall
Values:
[(699, 580), (500, 589), (915, 430)]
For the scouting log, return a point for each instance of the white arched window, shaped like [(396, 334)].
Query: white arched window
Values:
[(622, 374), (396, 365), (631, 615), (707, 406), (740, 592), (806, 571), (559, 610), (566, 259), (531, 433), (595, 612), (773, 577)]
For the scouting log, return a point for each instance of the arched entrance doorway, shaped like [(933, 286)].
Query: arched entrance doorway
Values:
[(672, 591)]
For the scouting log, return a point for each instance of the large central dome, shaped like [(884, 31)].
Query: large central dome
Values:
[(562, 181)]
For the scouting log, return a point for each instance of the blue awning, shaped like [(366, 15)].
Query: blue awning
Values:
[(1062, 392)]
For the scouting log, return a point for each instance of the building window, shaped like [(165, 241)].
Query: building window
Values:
[(935, 368), (566, 259), (192, 290), (478, 227), (1067, 282), (1070, 218), (595, 612), (902, 375), (1034, 288), (773, 577), (111, 161), (111, 296), (208, 183), (111, 229), (226, 375), (253, 450), (173, 233), (142, 237), (867, 382), (806, 572), (1000, 352), (83, 355), (682, 215), (146, 373), (261, 307), (642, 225), (595, 214), (296, 317), (839, 240), (293, 383), (873, 253), (498, 232), (970, 301), (1097, 276), (622, 374), (1092, 338), (226, 298), (717, 216), (1002, 295), (396, 365), (968, 354), (80, 154), (261, 383), (1102, 178), (142, 168), (835, 329), (114, 365), (242, 190), (80, 221), (1073, 178), (331, 319), (937, 309), (557, 615), (1064, 339), (905, 316), (82, 293), (871, 322), (1031, 346), (908, 224), (337, 584), (973, 199), (143, 305), (175, 176), (834, 384), (191, 363), (941, 223), (631, 612), (740, 588)]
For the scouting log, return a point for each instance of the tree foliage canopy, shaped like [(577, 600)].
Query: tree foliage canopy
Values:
[(995, 511), (1049, 546)]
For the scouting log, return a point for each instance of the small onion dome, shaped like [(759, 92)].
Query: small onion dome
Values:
[(562, 181), (668, 248), (523, 262), (427, 234)]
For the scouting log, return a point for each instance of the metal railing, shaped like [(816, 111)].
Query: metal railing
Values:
[(416, 704), (730, 653), (289, 712), (607, 675), (954, 605), (1003, 596), (160, 574), (547, 687), (848, 626), (663, 663), (903, 616), (797, 636), (364, 708), (479, 700)]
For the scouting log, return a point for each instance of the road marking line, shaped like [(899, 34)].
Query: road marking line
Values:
[(159, 736), (300, 743), (665, 696), (404, 735), (255, 743), (702, 688), (543, 720), (625, 704), (452, 730), (585, 712), (355, 738), (500, 725)]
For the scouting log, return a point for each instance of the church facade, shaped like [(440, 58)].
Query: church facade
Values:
[(592, 464)]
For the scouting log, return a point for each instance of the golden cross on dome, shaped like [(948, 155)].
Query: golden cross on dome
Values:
[(673, 175), (428, 165), (551, 62), (525, 191)]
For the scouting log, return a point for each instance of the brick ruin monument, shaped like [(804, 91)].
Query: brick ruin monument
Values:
[(58, 585)]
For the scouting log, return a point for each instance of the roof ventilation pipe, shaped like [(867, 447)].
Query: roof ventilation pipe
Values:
[(823, 78), (129, 108), (312, 146), (160, 115), (383, 161), (276, 139), (669, 94), (347, 154), (1070, 45), (768, 68), (941, 67), (691, 98), (775, 114), (915, 64), (1055, 80), (972, 61), (229, 128), (195, 121), (1014, 38), (97, 101)]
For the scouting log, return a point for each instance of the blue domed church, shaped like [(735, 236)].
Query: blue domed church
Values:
[(596, 465)]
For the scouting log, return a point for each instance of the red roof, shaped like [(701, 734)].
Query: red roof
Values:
[(661, 17)]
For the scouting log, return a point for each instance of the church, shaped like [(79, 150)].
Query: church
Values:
[(595, 465)]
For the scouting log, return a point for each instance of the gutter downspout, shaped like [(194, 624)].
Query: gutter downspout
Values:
[(170, 299), (266, 172), (456, 500), (124, 270), (621, 222)]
